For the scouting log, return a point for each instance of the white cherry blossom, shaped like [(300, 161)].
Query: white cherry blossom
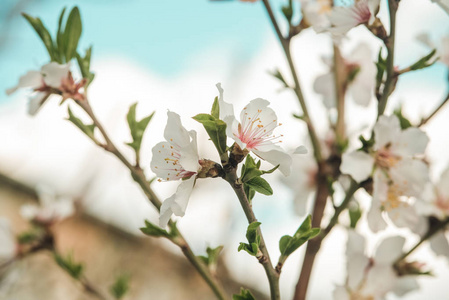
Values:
[(398, 173), (371, 278), (8, 245), (51, 208), (254, 132), (344, 18), (316, 13), (175, 159), (361, 72), (51, 76)]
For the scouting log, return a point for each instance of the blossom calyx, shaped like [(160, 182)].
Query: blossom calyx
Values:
[(210, 169)]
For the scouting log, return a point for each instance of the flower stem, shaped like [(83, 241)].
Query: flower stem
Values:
[(285, 43), (431, 232), (139, 177), (443, 103), (272, 275), (391, 75)]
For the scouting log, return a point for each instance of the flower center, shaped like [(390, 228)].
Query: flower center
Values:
[(385, 159), (253, 132)]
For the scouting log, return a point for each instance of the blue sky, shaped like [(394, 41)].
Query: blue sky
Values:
[(160, 35)]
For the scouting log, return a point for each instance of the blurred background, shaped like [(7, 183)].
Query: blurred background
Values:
[(169, 55)]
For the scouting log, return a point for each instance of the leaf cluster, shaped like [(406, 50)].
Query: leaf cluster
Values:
[(289, 244), (137, 128), (69, 265), (253, 237), (215, 128), (252, 180), (155, 231), (244, 295), (120, 286)]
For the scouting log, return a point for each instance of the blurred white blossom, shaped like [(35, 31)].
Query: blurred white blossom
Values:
[(397, 171), (51, 208)]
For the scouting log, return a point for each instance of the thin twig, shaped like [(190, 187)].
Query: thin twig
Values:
[(443, 103), (391, 75), (272, 275), (430, 233), (285, 43)]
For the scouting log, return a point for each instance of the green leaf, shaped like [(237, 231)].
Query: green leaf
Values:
[(355, 213), (253, 238), (288, 12), (87, 129), (84, 65), (60, 36), (137, 128), (277, 74), (289, 244), (244, 295), (120, 286), (404, 122), (260, 185), (251, 231), (216, 129), (424, 61), (153, 230), (250, 193), (381, 65), (69, 265), (43, 33), (72, 33), (215, 111)]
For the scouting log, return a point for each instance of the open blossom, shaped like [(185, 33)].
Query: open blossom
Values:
[(254, 132), (398, 174), (7, 241), (51, 208), (360, 81), (53, 78), (316, 13), (344, 18), (371, 278), (175, 159)]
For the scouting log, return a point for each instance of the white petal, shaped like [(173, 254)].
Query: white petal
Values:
[(35, 102), (356, 266), (232, 130), (410, 176), (182, 196), (32, 79), (174, 132), (189, 155), (358, 164), (53, 73), (300, 150), (257, 113), (226, 109), (166, 211), (404, 216), (381, 279), (355, 244), (389, 250), (439, 244), (277, 156), (405, 284), (374, 217), (386, 131), (325, 86), (373, 6), (410, 142), (443, 185), (165, 165), (29, 211)]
